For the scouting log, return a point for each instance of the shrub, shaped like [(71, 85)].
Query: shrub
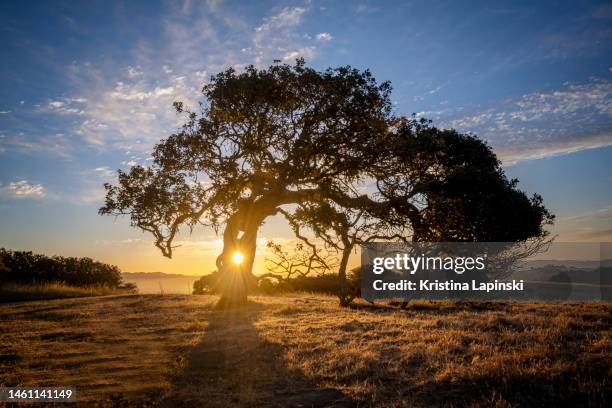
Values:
[(207, 284), (27, 268), (322, 283)]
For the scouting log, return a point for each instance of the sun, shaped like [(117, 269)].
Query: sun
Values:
[(237, 257)]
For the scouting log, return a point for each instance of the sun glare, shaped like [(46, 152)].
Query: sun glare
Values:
[(237, 258)]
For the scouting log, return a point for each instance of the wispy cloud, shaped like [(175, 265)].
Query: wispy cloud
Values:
[(572, 118), (594, 225), (132, 109), (603, 214), (105, 172), (324, 37), (23, 189), (133, 72), (54, 145), (286, 18), (67, 106), (364, 8), (278, 37)]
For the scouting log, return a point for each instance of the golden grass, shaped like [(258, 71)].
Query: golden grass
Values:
[(12, 292), (304, 349)]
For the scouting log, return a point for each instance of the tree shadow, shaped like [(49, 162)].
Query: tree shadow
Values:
[(234, 366)]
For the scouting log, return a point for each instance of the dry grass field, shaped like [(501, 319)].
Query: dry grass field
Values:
[(304, 350), (12, 292)]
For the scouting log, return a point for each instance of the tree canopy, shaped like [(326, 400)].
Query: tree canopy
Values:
[(324, 149)]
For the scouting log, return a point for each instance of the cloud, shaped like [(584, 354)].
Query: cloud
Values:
[(56, 145), (131, 109), (23, 189), (286, 18), (105, 171), (540, 148), (89, 187), (599, 234), (587, 235), (542, 124), (594, 226), (133, 72), (278, 34), (67, 106), (91, 195), (305, 52), (127, 241), (364, 8), (133, 113), (575, 98), (131, 93), (324, 37), (603, 214)]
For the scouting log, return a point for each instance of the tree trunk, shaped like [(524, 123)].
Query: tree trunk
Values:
[(237, 280), (240, 235), (345, 293)]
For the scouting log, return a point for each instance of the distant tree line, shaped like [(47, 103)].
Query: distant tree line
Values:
[(27, 267)]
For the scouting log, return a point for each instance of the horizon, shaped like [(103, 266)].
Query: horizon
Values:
[(89, 90)]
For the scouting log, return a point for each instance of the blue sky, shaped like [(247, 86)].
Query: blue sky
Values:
[(88, 87)]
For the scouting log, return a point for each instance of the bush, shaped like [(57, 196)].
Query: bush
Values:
[(26, 267), (327, 283), (206, 284)]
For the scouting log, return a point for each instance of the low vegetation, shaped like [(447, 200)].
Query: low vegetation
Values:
[(324, 283), (305, 349)]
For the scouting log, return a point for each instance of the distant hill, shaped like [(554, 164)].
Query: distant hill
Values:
[(560, 271), (154, 275), (569, 263), (160, 282)]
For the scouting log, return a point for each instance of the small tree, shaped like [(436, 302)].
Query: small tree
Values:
[(302, 259), (293, 137)]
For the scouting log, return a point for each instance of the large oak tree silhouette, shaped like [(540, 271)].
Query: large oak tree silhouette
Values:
[(293, 140)]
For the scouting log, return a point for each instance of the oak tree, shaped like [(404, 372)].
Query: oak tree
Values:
[(324, 149)]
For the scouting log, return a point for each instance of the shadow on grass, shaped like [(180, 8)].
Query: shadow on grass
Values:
[(576, 386), (234, 366), (569, 374)]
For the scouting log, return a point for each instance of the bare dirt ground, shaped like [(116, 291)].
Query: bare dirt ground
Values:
[(304, 350)]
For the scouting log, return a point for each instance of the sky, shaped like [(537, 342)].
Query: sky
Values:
[(88, 88)]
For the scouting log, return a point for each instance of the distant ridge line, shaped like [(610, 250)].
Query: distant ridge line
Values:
[(157, 275)]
